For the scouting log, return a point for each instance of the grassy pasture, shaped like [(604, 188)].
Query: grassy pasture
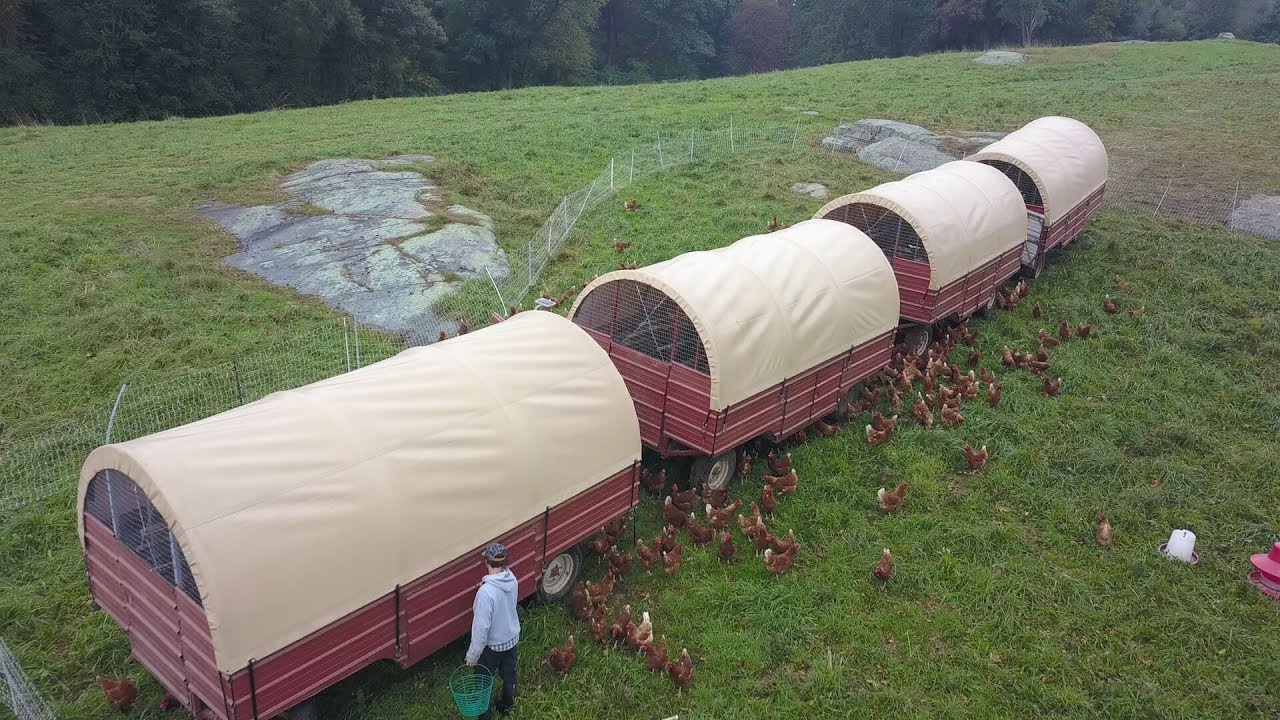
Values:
[(1002, 607)]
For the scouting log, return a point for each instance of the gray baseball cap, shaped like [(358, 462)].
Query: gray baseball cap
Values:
[(496, 554)]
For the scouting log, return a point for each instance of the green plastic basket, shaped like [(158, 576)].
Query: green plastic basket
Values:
[(472, 691)]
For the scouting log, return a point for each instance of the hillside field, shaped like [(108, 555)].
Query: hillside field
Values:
[(1003, 605)]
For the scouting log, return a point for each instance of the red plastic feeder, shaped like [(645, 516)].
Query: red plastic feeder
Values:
[(1267, 576)]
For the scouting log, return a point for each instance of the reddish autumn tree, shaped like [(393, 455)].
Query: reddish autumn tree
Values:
[(761, 32)]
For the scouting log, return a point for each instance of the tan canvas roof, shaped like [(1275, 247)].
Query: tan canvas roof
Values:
[(304, 506), (1064, 157), (965, 213), (769, 307)]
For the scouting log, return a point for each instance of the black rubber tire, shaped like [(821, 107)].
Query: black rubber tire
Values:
[(849, 398), (713, 472), (1033, 272), (572, 557), (913, 339)]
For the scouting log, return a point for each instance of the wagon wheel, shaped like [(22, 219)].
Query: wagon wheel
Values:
[(713, 472), (1037, 266), (918, 338), (989, 305), (559, 576), (849, 398)]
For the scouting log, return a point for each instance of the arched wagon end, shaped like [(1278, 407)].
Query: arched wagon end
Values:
[(1060, 167), (135, 563), (661, 355), (901, 244), (952, 235), (258, 556), (762, 337)]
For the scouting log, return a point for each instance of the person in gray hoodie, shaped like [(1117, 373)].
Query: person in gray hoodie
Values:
[(495, 627)]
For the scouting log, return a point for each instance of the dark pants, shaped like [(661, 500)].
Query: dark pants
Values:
[(503, 664)]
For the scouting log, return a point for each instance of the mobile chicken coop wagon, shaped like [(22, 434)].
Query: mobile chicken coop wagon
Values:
[(952, 234), (1060, 167), (764, 336), (258, 556)]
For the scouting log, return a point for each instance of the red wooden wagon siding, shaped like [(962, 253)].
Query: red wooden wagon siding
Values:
[(797, 403), (1069, 228), (169, 632), (673, 401)]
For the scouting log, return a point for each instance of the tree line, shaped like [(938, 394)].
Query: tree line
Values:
[(72, 61)]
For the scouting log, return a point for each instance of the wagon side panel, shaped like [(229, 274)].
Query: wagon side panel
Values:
[(1072, 224), (437, 607), (296, 673), (751, 418), (917, 300), (687, 415)]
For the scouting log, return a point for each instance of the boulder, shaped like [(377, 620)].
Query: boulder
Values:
[(814, 190), (380, 248), (903, 147), (963, 144), (1259, 215), (899, 154), (1226, 36), (1001, 57), (875, 130)]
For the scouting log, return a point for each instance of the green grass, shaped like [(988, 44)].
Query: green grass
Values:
[(1002, 607)]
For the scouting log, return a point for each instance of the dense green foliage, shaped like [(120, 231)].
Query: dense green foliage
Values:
[(93, 60)]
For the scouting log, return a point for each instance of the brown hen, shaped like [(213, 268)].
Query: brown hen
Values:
[(975, 458), (890, 501), (883, 570), (563, 658)]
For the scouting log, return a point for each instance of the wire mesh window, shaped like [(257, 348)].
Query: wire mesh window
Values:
[(120, 504), (1030, 191), (895, 237), (644, 319)]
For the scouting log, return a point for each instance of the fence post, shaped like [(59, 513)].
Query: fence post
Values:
[(661, 165), (1231, 215), (732, 148), (1162, 197), (690, 144), (611, 161), (502, 304), (356, 324), (529, 246), (346, 342), (111, 421), (235, 370), (631, 178), (551, 225), (795, 134)]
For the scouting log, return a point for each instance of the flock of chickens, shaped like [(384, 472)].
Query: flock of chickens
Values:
[(943, 389), (936, 401)]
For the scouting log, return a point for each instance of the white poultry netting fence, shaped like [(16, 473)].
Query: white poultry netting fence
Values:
[(34, 468), (16, 691)]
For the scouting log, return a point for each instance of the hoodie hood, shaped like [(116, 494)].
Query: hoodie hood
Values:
[(504, 582)]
